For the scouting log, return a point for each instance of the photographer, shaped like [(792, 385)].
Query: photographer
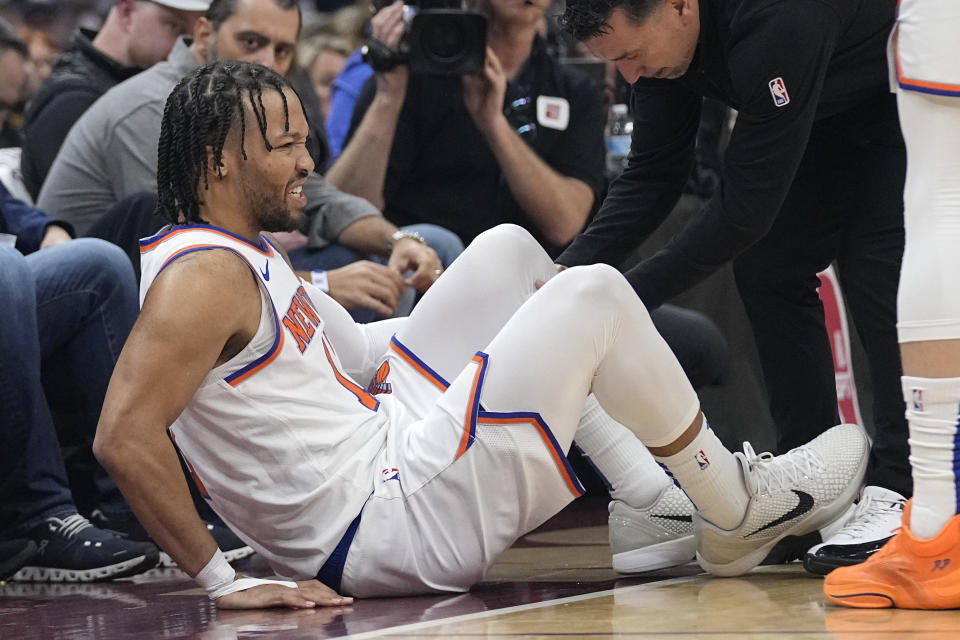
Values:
[(469, 153)]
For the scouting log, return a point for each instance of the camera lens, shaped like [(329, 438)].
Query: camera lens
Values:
[(445, 41)]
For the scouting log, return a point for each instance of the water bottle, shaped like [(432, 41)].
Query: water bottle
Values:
[(618, 133)]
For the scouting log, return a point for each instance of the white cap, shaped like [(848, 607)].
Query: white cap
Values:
[(185, 5), (619, 109)]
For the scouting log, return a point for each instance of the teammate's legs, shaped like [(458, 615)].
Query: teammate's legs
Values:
[(918, 568), (929, 305), (873, 161)]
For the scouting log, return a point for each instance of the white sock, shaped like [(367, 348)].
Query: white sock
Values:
[(711, 476), (629, 471), (933, 410)]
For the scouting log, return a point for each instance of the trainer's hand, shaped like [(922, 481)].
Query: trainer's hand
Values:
[(368, 285), (410, 255), (308, 594), (540, 283)]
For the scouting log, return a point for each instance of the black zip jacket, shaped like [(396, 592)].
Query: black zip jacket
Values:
[(829, 55)]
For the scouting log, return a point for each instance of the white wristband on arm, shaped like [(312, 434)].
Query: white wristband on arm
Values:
[(319, 280), (219, 579)]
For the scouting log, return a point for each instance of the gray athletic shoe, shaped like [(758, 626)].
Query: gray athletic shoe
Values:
[(793, 494), (656, 537)]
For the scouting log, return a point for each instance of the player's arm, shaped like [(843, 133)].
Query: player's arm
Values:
[(203, 307)]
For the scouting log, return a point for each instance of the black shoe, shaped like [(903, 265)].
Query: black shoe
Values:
[(875, 521), (71, 549), (14, 554), (233, 548)]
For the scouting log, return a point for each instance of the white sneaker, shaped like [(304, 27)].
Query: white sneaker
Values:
[(877, 518), (790, 495), (656, 537)]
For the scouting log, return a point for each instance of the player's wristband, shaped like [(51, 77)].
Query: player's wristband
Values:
[(319, 280), (216, 574), (219, 579), (242, 584)]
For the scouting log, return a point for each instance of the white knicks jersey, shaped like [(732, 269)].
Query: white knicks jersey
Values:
[(282, 442)]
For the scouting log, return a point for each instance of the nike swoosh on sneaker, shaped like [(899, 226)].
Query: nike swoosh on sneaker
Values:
[(677, 518), (265, 272), (804, 505)]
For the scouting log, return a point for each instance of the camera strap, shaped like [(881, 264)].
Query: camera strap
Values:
[(379, 56)]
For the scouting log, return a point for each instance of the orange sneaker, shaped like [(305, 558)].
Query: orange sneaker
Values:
[(907, 573)]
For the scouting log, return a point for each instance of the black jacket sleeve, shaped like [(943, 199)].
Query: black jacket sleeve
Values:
[(26, 222), (666, 116), (792, 41)]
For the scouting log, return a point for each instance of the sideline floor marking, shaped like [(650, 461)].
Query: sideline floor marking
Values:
[(379, 633)]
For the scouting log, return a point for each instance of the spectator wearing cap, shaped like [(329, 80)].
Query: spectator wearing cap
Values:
[(136, 35)]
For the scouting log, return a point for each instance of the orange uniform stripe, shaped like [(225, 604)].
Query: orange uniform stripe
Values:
[(144, 248), (560, 462), (439, 384), (473, 405), (260, 366), (365, 398)]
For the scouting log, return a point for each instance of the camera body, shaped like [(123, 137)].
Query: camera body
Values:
[(445, 40), (441, 37)]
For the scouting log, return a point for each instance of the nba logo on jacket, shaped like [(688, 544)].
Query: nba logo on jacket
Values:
[(779, 92)]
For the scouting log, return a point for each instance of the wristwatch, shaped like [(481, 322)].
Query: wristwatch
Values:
[(401, 234)]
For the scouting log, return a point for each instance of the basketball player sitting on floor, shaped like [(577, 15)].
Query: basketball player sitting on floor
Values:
[(457, 448)]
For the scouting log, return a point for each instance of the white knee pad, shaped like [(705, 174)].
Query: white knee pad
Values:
[(928, 305)]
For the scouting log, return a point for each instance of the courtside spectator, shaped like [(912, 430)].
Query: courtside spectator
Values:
[(136, 35)]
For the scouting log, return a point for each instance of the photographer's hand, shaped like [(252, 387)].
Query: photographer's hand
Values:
[(483, 93), (387, 27), (361, 168)]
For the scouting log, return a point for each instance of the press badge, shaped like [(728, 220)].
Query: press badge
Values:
[(553, 113)]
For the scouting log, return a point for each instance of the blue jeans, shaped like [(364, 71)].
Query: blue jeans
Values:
[(65, 313), (446, 243)]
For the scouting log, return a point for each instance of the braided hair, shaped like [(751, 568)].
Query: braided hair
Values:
[(199, 114)]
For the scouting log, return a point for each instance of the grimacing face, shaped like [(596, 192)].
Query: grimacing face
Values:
[(271, 181), (661, 46), (259, 32)]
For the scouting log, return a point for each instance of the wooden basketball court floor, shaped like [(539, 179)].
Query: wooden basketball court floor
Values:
[(554, 583)]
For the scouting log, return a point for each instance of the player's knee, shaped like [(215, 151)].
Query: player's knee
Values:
[(601, 288), (507, 239)]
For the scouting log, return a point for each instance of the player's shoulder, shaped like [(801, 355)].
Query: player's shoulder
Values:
[(214, 272), (214, 285)]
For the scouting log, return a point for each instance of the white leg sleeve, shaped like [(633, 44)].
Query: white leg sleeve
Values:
[(928, 305)]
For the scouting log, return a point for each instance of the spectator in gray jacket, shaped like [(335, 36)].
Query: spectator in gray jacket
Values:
[(136, 35), (111, 153)]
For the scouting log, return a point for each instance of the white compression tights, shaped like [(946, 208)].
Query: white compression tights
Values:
[(585, 330), (928, 305)]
